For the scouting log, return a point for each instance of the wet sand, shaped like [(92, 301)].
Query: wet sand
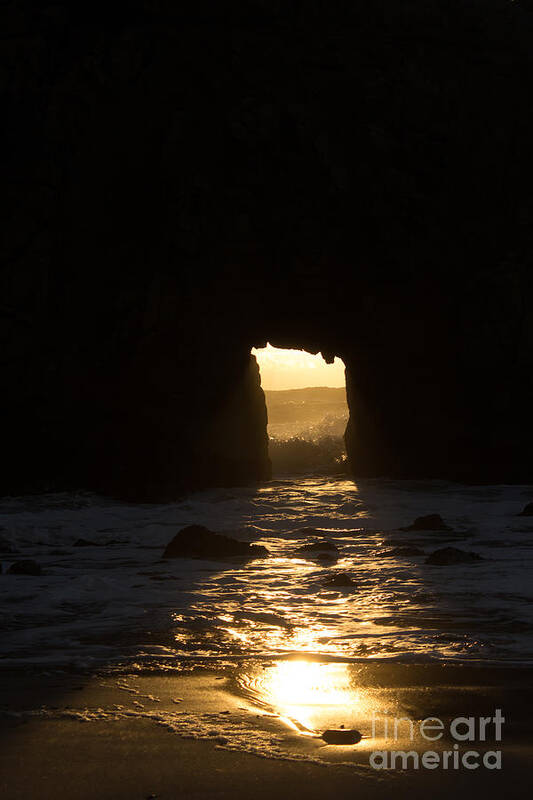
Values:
[(197, 736)]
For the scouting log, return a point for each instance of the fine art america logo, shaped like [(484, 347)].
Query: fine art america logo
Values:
[(462, 730)]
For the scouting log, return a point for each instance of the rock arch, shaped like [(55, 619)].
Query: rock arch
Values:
[(354, 180)]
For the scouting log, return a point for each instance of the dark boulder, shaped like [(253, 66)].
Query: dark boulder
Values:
[(431, 522), (339, 581), (451, 555), (342, 736), (527, 511), (27, 567), (196, 541), (404, 551)]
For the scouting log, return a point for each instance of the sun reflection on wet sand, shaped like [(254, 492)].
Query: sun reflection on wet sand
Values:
[(312, 697), (309, 695)]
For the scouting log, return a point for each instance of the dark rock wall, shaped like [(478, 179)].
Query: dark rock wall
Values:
[(184, 181)]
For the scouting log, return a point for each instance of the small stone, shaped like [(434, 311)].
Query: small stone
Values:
[(404, 551), (340, 580), (342, 736), (322, 550), (317, 547)]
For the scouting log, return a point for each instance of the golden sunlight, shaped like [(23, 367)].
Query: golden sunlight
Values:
[(308, 695), (308, 683), (296, 369)]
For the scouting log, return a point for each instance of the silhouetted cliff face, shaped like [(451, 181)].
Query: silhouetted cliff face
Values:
[(182, 185)]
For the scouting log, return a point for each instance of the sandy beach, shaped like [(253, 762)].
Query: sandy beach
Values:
[(196, 735), (127, 675)]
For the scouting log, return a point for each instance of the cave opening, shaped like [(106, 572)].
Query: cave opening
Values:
[(307, 410)]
